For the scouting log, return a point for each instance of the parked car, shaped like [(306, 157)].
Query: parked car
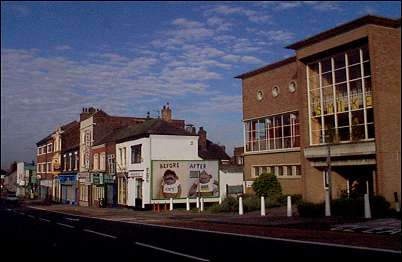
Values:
[(12, 199)]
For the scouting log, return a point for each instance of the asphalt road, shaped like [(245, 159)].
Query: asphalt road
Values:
[(41, 235)]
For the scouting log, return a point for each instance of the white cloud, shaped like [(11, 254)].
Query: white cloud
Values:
[(323, 5), (251, 60), (252, 15), (277, 35), (183, 22)]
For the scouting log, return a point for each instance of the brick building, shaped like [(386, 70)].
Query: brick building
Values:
[(342, 88), (97, 146)]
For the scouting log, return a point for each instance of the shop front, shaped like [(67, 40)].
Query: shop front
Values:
[(68, 188)]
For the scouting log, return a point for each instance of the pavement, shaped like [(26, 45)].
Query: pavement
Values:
[(38, 234), (344, 231)]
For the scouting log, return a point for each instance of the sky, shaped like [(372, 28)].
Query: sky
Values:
[(129, 58)]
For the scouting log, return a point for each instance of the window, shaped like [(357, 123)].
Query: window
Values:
[(65, 162), (278, 170), (273, 132), (136, 154), (49, 148), (341, 103), (49, 167), (111, 163), (76, 160), (83, 192), (122, 190), (102, 160), (96, 161), (70, 161)]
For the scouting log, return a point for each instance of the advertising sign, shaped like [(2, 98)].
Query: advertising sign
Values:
[(184, 178)]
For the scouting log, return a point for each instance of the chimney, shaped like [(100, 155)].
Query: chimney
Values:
[(148, 115), (202, 138), (191, 129), (87, 112), (166, 113)]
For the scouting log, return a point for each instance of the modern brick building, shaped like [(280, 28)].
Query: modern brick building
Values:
[(341, 88)]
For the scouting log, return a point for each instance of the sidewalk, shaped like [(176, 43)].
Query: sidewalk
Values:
[(275, 224)]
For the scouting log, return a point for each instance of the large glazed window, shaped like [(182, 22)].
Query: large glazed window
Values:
[(340, 98), (272, 132)]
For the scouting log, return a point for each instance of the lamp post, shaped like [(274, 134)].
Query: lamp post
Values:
[(328, 188)]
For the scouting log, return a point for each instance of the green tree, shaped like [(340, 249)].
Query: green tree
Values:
[(267, 185)]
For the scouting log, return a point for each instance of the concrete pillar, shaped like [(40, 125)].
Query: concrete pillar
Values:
[(262, 206), (289, 207), (187, 204), (240, 206), (367, 210), (171, 204), (327, 204)]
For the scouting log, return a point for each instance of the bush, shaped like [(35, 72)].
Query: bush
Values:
[(347, 207), (380, 207), (307, 209), (267, 185), (296, 199), (251, 203), (229, 204)]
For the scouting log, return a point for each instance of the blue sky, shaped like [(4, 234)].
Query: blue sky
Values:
[(131, 57)]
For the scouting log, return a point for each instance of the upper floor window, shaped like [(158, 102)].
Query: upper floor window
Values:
[(102, 160), (136, 154), (49, 148), (273, 132), (111, 163), (340, 97), (76, 160), (96, 161)]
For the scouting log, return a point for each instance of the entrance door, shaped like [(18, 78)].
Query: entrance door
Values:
[(138, 195), (63, 194), (109, 194)]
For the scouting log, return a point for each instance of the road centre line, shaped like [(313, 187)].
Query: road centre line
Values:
[(237, 234), (31, 216), (171, 251), (65, 225), (43, 219), (99, 233), (72, 219)]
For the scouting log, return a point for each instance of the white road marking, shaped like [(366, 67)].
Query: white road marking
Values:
[(237, 234), (43, 219), (99, 233), (8, 209), (65, 225), (31, 216), (171, 252), (71, 219)]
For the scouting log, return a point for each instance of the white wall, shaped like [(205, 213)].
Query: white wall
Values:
[(20, 174), (174, 147), (156, 147), (86, 125), (231, 179)]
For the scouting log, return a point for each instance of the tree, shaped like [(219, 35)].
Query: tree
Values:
[(267, 185)]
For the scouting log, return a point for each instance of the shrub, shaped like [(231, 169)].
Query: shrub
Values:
[(296, 199), (229, 204), (379, 206), (267, 185), (251, 203), (307, 209), (346, 207)]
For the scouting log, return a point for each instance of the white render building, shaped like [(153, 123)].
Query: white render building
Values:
[(137, 146)]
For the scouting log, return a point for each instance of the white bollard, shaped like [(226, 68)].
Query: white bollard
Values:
[(171, 204), (262, 206), (187, 204), (220, 200), (367, 210), (198, 202), (240, 206), (289, 207), (327, 204), (202, 204)]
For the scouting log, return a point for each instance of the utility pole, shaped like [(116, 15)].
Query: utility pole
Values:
[(328, 188)]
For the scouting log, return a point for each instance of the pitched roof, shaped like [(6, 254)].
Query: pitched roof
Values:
[(368, 19), (149, 127), (213, 152), (231, 168), (64, 127), (267, 67)]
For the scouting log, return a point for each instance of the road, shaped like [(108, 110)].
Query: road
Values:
[(35, 234)]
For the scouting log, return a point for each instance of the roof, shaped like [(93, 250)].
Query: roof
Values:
[(64, 127), (149, 127), (368, 19), (213, 152), (267, 67), (238, 151)]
